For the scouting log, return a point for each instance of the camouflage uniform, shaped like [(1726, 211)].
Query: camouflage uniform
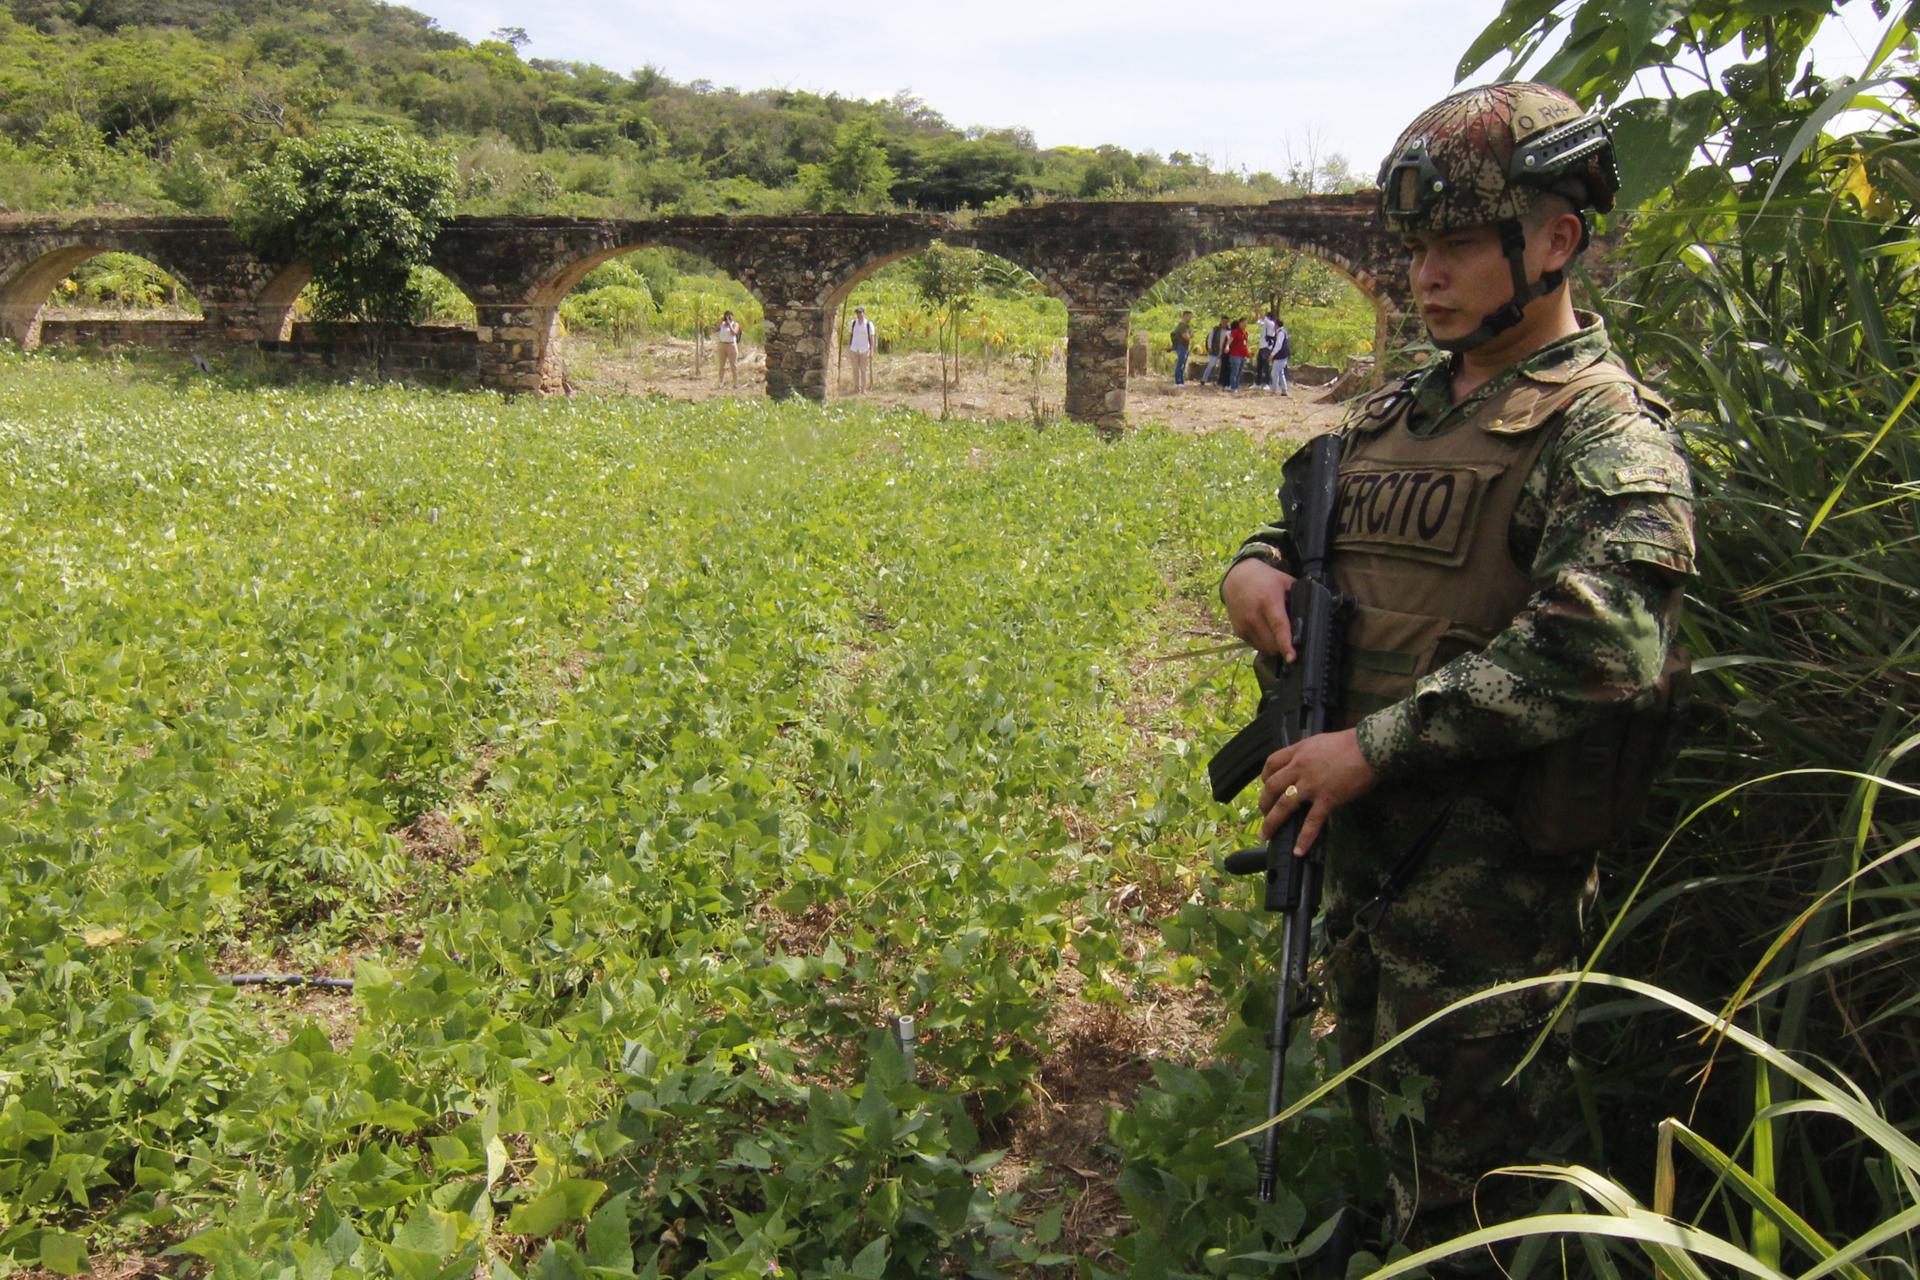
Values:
[(1604, 529)]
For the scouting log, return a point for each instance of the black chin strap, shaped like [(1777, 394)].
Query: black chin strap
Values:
[(1513, 242)]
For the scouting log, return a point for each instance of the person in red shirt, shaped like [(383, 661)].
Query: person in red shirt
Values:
[(1237, 353)]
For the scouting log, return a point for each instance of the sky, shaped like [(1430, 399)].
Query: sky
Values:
[(1281, 82)]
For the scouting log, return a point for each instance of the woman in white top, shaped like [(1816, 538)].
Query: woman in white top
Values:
[(727, 336), (862, 337)]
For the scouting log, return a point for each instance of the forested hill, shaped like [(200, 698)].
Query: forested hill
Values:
[(158, 105)]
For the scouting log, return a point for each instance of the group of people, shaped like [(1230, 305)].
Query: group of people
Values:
[(862, 338), (1228, 350)]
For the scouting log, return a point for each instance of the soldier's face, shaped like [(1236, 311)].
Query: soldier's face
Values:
[(1458, 279)]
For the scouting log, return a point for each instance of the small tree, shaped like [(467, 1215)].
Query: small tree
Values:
[(856, 176), (949, 279), (359, 206)]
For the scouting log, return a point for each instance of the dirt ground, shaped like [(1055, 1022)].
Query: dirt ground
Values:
[(665, 366)]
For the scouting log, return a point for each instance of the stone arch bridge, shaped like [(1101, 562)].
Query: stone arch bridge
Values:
[(1097, 258)]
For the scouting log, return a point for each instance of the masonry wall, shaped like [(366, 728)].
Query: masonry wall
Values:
[(441, 350), (166, 335), (434, 349)]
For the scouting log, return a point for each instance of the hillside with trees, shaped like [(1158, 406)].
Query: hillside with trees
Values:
[(162, 105)]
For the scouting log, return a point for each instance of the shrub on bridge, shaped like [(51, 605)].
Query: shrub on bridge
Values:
[(361, 206)]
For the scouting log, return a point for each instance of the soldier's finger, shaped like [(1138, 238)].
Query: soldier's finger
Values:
[(1310, 829), (1275, 617), (1278, 761), (1277, 804)]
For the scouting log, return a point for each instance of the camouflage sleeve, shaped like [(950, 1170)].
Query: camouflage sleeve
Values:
[(1615, 546), (1271, 543)]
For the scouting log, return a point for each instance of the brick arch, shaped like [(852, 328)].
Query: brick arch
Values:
[(273, 305), (879, 257), (565, 277), (833, 302), (1386, 295), (26, 291)]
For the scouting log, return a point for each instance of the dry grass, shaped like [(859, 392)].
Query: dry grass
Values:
[(434, 837), (664, 367), (115, 1266), (1099, 1056)]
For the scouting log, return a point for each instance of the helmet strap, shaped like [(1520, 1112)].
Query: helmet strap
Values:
[(1513, 242)]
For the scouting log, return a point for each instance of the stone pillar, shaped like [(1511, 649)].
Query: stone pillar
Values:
[(20, 323), (517, 347), (1097, 366), (797, 350)]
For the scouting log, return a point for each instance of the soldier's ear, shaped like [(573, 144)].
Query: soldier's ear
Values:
[(1561, 236)]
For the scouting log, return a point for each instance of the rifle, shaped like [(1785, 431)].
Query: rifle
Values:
[(1297, 703)]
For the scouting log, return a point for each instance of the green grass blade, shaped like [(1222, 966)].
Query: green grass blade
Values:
[(1762, 1198), (1765, 1233), (1892, 1229), (1820, 516), (1661, 1237)]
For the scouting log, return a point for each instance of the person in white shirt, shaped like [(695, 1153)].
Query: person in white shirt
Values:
[(727, 343), (862, 338), (1282, 352)]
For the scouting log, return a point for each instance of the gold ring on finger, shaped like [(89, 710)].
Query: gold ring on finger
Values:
[(1291, 793)]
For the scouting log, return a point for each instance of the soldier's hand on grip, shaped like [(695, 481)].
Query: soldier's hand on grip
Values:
[(1255, 594), (1318, 774)]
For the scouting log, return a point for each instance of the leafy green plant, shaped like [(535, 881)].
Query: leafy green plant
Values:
[(631, 825), (361, 207)]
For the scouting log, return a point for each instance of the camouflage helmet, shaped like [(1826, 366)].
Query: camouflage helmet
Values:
[(1478, 158)]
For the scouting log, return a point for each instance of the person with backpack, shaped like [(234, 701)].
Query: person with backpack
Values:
[(862, 340), (1262, 364), (1216, 350), (1282, 352)]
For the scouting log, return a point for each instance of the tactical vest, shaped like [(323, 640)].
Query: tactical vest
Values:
[(1420, 546)]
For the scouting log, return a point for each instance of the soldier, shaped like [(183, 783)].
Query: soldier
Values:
[(1515, 527)]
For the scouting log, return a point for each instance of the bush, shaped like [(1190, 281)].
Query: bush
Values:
[(361, 207)]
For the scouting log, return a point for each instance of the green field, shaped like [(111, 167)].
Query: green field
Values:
[(637, 760)]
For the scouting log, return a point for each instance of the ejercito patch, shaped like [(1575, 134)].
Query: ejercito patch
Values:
[(1418, 508)]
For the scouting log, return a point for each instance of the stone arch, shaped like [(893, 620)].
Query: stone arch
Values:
[(837, 291), (1383, 295), (559, 283), (273, 305), (26, 291), (833, 299), (563, 279)]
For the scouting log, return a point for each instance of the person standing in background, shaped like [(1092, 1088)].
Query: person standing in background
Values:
[(1262, 365), (1216, 349), (726, 337), (1182, 343), (862, 339), (1282, 353), (1236, 354)]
